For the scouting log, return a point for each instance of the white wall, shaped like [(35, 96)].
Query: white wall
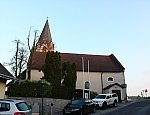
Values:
[(94, 79), (36, 75), (117, 77)]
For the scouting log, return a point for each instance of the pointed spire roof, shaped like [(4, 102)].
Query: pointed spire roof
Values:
[(46, 34)]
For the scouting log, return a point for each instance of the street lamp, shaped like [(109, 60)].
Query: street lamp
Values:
[(42, 82)]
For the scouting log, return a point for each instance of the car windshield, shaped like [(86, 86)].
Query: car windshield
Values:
[(100, 97), (77, 102), (23, 106)]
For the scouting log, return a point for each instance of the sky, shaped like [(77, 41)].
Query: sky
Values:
[(101, 27)]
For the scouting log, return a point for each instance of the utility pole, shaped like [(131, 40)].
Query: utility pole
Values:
[(102, 81), (28, 39), (16, 56)]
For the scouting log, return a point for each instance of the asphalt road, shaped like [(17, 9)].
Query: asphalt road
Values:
[(137, 108)]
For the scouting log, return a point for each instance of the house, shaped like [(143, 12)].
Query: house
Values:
[(99, 73), (4, 76)]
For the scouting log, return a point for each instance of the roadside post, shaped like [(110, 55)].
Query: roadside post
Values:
[(42, 82), (51, 107)]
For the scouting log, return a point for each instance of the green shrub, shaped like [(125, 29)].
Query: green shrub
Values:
[(93, 94), (28, 88)]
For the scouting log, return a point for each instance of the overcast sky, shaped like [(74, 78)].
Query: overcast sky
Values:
[(119, 27)]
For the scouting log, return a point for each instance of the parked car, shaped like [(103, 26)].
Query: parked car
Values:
[(104, 100), (79, 107), (14, 107)]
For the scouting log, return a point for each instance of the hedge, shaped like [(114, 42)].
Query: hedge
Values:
[(28, 88)]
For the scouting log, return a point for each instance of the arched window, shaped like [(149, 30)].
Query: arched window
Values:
[(110, 79), (87, 85)]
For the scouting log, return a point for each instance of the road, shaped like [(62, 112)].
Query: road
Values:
[(137, 108)]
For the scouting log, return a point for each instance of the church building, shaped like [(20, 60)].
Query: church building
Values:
[(98, 73)]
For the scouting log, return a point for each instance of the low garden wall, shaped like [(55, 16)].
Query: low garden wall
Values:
[(50, 105)]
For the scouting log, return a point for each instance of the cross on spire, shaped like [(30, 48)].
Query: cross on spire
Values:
[(47, 17)]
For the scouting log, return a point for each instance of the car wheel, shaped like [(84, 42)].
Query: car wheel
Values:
[(94, 110), (115, 104), (81, 112), (104, 106)]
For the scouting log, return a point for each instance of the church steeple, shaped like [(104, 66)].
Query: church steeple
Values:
[(45, 43), (45, 35)]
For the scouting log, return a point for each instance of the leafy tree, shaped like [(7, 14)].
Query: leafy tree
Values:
[(52, 68)]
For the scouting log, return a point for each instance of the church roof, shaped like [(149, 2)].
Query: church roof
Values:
[(4, 73), (46, 34), (97, 63)]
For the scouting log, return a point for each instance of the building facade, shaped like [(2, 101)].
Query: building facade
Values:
[(4, 76), (99, 73)]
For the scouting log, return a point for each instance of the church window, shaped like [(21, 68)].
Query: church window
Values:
[(87, 85), (110, 79)]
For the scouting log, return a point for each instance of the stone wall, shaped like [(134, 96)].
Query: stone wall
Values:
[(36, 104)]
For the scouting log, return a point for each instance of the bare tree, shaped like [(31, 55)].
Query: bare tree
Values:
[(19, 60), (31, 49), (22, 57)]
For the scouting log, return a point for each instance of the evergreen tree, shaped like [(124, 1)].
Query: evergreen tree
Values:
[(52, 68), (69, 75)]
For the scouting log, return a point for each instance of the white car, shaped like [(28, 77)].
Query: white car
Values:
[(104, 100), (14, 107)]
